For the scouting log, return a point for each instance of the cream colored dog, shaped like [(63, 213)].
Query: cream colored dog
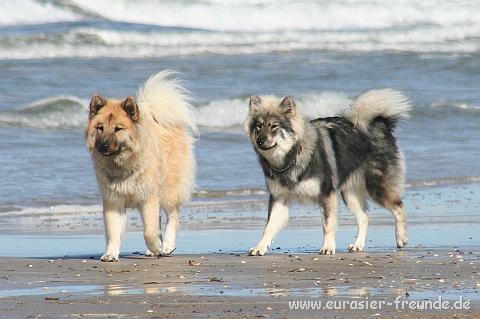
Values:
[(142, 151)]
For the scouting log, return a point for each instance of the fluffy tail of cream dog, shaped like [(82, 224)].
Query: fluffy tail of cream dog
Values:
[(163, 97)]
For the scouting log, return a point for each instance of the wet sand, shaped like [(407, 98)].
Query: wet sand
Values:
[(236, 285)]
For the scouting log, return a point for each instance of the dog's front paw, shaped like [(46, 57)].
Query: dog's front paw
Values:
[(355, 248), (109, 258), (167, 249), (148, 253), (401, 235), (258, 251), (402, 241), (326, 250)]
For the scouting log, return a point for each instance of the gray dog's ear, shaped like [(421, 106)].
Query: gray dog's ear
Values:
[(130, 106), (255, 103), (96, 104), (287, 106)]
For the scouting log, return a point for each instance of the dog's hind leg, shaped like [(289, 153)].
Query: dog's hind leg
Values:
[(277, 219), (330, 211), (150, 212), (398, 212), (389, 196), (115, 218), (171, 229), (356, 202)]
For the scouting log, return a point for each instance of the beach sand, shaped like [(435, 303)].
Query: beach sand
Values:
[(236, 285)]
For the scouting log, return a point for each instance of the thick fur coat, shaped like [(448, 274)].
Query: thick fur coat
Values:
[(354, 153), (142, 150)]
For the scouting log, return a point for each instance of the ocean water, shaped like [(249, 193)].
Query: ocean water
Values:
[(55, 54)]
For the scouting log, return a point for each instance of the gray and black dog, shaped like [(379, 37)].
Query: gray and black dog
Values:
[(354, 153)]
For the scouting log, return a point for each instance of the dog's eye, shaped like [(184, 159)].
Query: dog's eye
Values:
[(274, 127), (118, 129), (100, 128), (259, 126)]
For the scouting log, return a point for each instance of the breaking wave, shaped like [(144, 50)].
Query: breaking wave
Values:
[(88, 42), (54, 112), (250, 15), (60, 112), (136, 29), (69, 111)]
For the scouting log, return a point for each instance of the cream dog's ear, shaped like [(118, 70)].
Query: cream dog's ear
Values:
[(96, 104), (130, 106)]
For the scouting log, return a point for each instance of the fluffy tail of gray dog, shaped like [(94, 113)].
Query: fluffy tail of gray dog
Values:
[(387, 103)]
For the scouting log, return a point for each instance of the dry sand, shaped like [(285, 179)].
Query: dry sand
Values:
[(236, 285)]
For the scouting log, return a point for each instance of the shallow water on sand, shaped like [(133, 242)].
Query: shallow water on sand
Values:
[(437, 216), (380, 238)]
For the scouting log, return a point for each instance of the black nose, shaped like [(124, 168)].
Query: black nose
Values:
[(260, 141), (104, 148)]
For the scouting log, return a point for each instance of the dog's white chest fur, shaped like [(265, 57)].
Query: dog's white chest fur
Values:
[(307, 190)]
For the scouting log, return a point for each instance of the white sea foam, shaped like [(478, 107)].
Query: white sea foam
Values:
[(217, 197), (52, 210), (20, 12), (249, 15), (94, 42), (455, 104), (442, 181)]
